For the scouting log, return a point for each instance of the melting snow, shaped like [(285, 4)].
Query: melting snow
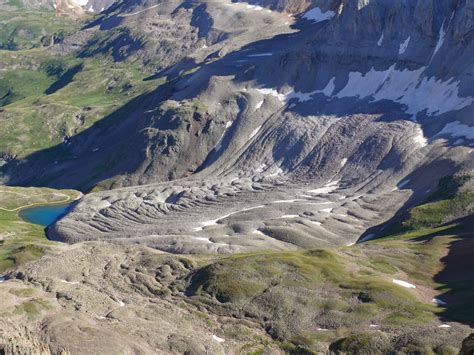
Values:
[(254, 7), (438, 302), (404, 183), (202, 239), (403, 283), (300, 96), (260, 55), (404, 46), (444, 326), (407, 87), (69, 282), (289, 201), (318, 15), (273, 92), (368, 237), (441, 37), (255, 132), (213, 222), (379, 42), (219, 143), (329, 187), (329, 89), (420, 138), (343, 162), (457, 130), (219, 340)]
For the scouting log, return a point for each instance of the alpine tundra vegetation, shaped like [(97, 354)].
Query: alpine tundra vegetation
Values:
[(236, 177)]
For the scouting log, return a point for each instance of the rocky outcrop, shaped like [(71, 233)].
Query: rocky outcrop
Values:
[(468, 345), (17, 339)]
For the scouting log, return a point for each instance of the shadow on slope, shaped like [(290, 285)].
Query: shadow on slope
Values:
[(119, 143), (458, 275), (444, 224), (64, 79), (103, 150)]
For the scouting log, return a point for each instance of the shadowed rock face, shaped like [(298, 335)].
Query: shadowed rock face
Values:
[(275, 131), (468, 345)]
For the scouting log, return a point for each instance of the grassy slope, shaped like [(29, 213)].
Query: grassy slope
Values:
[(25, 29), (21, 242), (311, 298), (40, 103), (35, 120)]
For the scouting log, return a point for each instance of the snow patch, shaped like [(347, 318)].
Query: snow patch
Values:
[(380, 41), (441, 37), (260, 55), (329, 187), (403, 283), (289, 201), (410, 88), (255, 131), (218, 146), (457, 130), (69, 282), (273, 92), (368, 237), (420, 138), (317, 15), (404, 46), (216, 338), (202, 239), (214, 222), (438, 302)]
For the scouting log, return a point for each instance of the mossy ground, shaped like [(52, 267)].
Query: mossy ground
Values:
[(24, 29), (21, 242), (55, 97), (347, 296)]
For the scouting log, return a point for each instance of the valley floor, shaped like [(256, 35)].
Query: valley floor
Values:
[(408, 292)]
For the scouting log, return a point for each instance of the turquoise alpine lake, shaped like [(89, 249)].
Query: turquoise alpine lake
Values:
[(44, 215)]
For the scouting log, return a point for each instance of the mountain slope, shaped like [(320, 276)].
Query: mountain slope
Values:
[(311, 160), (403, 293), (363, 118)]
